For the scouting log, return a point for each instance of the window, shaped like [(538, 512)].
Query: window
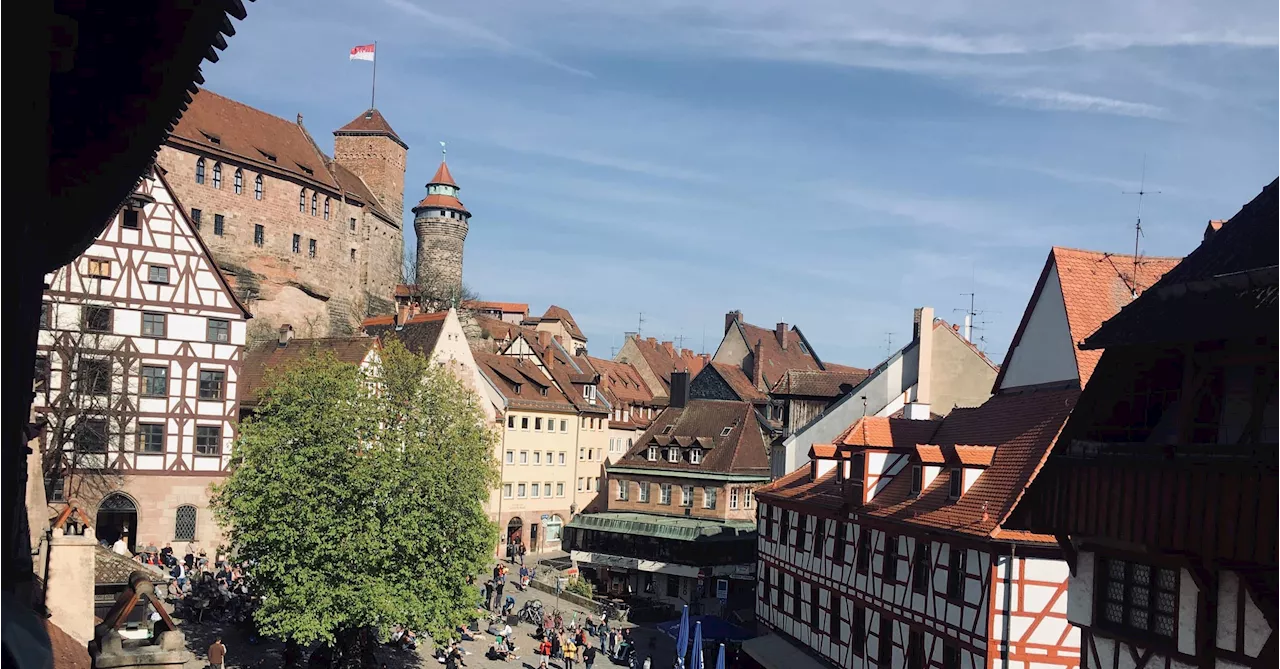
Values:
[(506, 489), (158, 274), (311, 248), (673, 454), (841, 531), (834, 619), (200, 170), (956, 574), (314, 204), (917, 479), (91, 435), (673, 585), (208, 440), (561, 457), (536, 491), (858, 635), (950, 656), (511, 423), (153, 325), (40, 383), (889, 568), (733, 498), (653, 454), (99, 268), (955, 484), (915, 650), (257, 187), (217, 175), (195, 217), (709, 498), (297, 243), (550, 459), (219, 225), (129, 218), (524, 457), (537, 424), (151, 437), (591, 454), (537, 457), (353, 256), (238, 181), (884, 644), (686, 496), (353, 224), (667, 430), (664, 493), (46, 315), (622, 490), (644, 491), (524, 422), (559, 490), (522, 490), (95, 376), (564, 426), (921, 568), (582, 453), (259, 235), (695, 456), (1139, 597), (546, 489), (326, 209), (725, 432), (748, 498), (211, 384), (579, 484), (864, 550), (511, 457), (218, 330), (302, 201)]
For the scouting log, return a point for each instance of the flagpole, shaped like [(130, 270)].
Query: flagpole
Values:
[(373, 90)]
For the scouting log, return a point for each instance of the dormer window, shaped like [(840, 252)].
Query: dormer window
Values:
[(673, 454), (213, 139), (516, 389), (917, 479), (956, 485), (542, 391), (653, 454), (668, 429), (268, 156), (725, 432), (695, 456), (589, 393)]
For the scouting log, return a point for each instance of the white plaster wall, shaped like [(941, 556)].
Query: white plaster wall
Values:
[(1080, 590), (1045, 352), (970, 477), (1188, 596)]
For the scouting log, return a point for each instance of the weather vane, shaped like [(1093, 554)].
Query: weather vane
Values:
[(444, 153)]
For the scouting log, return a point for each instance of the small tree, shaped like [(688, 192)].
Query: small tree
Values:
[(360, 495), (435, 292)]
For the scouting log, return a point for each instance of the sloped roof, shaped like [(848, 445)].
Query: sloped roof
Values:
[(824, 383), (622, 385), (441, 201), (1225, 287), (259, 362), (508, 373), (371, 122), (419, 333), (67, 652), (561, 314), (442, 176), (506, 307), (1095, 286), (568, 374), (737, 381), (112, 569), (663, 359), (742, 451), (884, 432), (776, 361), (497, 328)]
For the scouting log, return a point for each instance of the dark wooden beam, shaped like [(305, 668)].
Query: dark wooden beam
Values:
[(1068, 551)]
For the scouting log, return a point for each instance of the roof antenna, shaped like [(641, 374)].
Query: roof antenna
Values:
[(640, 325), (680, 340), (888, 344), (1137, 228), (970, 316), (444, 153)]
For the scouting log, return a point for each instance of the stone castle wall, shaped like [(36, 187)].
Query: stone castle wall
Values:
[(440, 250)]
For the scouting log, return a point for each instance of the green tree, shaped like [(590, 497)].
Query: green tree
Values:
[(360, 495)]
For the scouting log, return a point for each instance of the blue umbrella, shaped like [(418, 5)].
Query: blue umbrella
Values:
[(720, 658), (682, 641), (697, 646)]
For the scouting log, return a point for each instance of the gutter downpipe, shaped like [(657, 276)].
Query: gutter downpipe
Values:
[(1008, 606)]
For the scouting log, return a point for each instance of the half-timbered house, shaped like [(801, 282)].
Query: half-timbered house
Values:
[(891, 547), (1162, 490), (137, 374)]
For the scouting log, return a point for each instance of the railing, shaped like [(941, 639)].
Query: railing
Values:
[(1082, 449)]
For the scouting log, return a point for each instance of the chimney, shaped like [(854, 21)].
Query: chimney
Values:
[(781, 331), (669, 348), (968, 327), (918, 409), (679, 390), (544, 338), (757, 364), (286, 334), (402, 313), (731, 318)]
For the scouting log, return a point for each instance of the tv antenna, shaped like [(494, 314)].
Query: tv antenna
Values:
[(888, 344), (680, 340), (970, 315), (640, 325), (1142, 192)]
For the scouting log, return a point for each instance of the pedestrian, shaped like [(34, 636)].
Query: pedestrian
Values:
[(497, 570), (488, 594), (557, 645), (498, 588), (588, 656), (121, 546), (570, 654), (613, 641), (522, 552), (217, 654)]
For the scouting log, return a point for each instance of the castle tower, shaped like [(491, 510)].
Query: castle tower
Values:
[(441, 223), (374, 152)]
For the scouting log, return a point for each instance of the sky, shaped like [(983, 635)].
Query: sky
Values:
[(829, 164)]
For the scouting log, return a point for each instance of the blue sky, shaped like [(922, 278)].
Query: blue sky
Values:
[(830, 164)]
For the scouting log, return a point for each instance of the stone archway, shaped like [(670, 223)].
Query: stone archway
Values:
[(515, 530), (117, 516)]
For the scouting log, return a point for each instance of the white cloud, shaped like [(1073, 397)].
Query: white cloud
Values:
[(1054, 100)]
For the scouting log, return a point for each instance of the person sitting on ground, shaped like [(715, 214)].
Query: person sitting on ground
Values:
[(509, 606)]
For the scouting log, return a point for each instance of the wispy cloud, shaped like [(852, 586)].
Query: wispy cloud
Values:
[(483, 36), (1053, 100)]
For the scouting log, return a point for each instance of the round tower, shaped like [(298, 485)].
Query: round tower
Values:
[(441, 223)]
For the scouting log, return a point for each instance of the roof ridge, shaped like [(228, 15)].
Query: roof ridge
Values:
[(1071, 249)]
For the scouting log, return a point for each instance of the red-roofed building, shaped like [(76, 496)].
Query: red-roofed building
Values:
[(656, 361), (892, 547), (441, 223)]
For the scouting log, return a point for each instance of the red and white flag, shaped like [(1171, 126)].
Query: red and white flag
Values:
[(362, 52)]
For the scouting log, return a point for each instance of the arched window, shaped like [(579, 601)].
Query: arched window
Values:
[(184, 523), (257, 187), (302, 201), (314, 201), (200, 170), (238, 181), (217, 175), (326, 209)]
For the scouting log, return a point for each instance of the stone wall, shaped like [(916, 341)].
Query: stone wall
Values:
[(157, 498), (380, 162), (440, 249)]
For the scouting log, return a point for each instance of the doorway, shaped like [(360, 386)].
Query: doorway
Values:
[(533, 538), (117, 516)]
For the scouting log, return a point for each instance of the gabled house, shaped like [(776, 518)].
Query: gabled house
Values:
[(559, 323), (679, 526), (261, 362), (1162, 489), (656, 361), (892, 547), (632, 402)]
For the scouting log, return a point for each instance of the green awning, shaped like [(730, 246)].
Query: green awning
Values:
[(665, 527)]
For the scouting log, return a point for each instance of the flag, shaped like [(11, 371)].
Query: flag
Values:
[(362, 52)]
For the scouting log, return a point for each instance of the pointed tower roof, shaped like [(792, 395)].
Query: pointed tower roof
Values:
[(371, 122), (442, 176), (442, 192)]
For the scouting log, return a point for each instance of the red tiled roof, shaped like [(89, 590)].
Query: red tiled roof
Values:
[(506, 307), (825, 451), (442, 176), (663, 359), (888, 432), (737, 381), (419, 333), (976, 456), (826, 383), (259, 363), (499, 329), (777, 361), (371, 122), (561, 314), (67, 653), (930, 455), (742, 451), (441, 201), (508, 373)]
